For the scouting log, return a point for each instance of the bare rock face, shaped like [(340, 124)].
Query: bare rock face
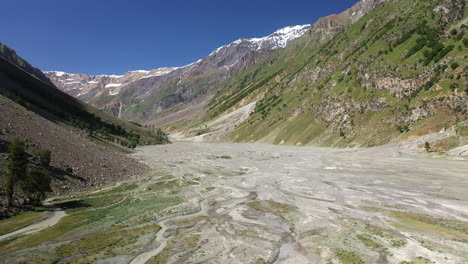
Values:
[(396, 86)]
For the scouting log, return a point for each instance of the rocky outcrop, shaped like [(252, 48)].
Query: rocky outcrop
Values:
[(338, 114), (395, 86)]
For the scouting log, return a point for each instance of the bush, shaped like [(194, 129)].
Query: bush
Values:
[(69, 170), (44, 156), (427, 146), (454, 65), (453, 86)]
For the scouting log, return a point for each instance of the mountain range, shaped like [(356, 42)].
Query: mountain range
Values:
[(380, 72), (140, 94)]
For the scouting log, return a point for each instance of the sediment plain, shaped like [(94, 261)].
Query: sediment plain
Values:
[(254, 203)]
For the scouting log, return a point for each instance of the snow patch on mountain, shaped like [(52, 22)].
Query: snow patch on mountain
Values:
[(57, 73), (276, 40), (110, 85)]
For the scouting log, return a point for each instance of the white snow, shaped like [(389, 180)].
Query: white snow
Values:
[(229, 66), (191, 64), (111, 76), (149, 76), (276, 40), (159, 72), (113, 85), (140, 71), (92, 82), (57, 73), (281, 37), (68, 83), (113, 93)]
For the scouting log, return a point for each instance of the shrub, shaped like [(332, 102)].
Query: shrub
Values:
[(44, 156), (453, 86), (454, 65), (427, 146)]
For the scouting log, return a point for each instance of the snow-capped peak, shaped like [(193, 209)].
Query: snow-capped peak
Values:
[(276, 40), (57, 73)]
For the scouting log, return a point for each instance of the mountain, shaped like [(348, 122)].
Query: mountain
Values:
[(141, 94), (11, 56), (88, 146), (381, 72)]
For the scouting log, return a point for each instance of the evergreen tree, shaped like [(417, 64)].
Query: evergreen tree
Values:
[(16, 167), (37, 184), (44, 156)]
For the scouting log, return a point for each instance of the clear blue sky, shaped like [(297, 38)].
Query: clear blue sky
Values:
[(112, 37)]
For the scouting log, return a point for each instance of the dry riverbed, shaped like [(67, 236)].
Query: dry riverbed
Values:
[(253, 203)]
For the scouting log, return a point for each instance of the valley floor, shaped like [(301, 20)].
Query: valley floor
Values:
[(254, 203)]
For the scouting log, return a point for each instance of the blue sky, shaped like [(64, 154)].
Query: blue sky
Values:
[(113, 37)]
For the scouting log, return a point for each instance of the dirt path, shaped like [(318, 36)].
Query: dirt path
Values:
[(53, 218)]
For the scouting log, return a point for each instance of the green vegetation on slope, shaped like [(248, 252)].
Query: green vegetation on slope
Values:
[(398, 72)]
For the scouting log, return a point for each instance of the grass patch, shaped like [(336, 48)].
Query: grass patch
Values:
[(190, 222), (418, 260), (398, 243), (19, 221), (450, 229), (118, 189), (66, 224), (269, 206), (348, 257), (369, 242), (103, 245), (165, 186)]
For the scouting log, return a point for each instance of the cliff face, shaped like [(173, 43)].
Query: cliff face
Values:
[(395, 72)]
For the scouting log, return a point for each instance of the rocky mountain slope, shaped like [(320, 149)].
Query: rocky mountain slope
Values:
[(10, 55), (381, 72), (141, 94), (84, 141)]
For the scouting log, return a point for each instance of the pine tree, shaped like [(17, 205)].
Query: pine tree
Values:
[(37, 184), (44, 156), (16, 167)]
